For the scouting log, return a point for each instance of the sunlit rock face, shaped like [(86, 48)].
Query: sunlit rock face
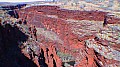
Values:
[(68, 38), (80, 38)]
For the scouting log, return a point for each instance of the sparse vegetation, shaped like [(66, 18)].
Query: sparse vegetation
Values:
[(61, 54)]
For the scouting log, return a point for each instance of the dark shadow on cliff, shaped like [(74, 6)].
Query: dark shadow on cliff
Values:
[(12, 7), (42, 59), (10, 53), (13, 13), (54, 63)]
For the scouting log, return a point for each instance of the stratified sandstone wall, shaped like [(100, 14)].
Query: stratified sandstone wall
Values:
[(75, 33), (66, 14)]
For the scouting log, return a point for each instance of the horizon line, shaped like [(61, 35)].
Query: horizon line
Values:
[(11, 1)]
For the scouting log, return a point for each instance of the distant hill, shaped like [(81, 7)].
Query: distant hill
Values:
[(7, 3)]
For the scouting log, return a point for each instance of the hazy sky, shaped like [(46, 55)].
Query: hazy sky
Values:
[(21, 0)]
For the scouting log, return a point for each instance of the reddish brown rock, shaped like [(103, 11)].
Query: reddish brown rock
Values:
[(38, 16)]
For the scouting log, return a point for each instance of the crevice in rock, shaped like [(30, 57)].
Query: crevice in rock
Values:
[(41, 59)]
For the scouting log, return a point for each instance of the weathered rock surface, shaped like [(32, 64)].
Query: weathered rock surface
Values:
[(67, 38), (72, 31)]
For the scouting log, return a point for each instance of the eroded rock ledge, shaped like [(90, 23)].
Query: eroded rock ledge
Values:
[(70, 38)]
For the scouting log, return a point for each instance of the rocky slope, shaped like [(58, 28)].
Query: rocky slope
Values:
[(68, 38)]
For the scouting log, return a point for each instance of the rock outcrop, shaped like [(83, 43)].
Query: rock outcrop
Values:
[(67, 38), (73, 30)]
